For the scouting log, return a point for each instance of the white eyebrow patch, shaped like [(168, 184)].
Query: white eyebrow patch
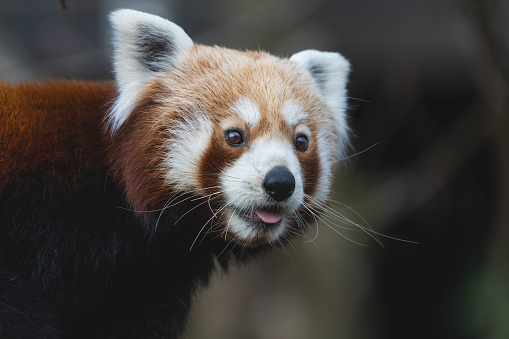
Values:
[(294, 114), (247, 110)]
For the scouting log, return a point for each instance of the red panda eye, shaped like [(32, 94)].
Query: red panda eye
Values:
[(234, 138), (301, 143)]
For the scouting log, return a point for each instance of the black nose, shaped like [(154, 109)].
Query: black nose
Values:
[(279, 183)]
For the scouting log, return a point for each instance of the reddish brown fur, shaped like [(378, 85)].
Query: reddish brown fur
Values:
[(134, 156), (53, 129)]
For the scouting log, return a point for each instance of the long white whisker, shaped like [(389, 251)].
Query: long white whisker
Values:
[(334, 217), (341, 216), (335, 230), (171, 198), (301, 224), (228, 224), (356, 154), (388, 236), (327, 220), (345, 219), (167, 205), (221, 209), (316, 221), (224, 249), (213, 216), (183, 215), (363, 100), (368, 230), (210, 207)]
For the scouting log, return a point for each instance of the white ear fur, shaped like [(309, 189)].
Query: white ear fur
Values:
[(330, 74), (144, 46)]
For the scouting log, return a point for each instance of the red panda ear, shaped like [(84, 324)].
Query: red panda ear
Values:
[(144, 46), (330, 75), (329, 72)]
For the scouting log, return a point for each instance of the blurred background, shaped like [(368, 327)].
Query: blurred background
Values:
[(428, 90)]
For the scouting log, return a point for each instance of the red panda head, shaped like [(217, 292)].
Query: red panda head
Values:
[(245, 140)]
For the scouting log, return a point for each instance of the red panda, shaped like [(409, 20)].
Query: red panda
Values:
[(116, 198)]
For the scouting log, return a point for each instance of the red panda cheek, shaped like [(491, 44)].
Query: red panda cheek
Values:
[(310, 164)]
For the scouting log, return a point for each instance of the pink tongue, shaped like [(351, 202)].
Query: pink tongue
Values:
[(268, 217)]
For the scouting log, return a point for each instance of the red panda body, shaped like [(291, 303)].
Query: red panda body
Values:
[(117, 198)]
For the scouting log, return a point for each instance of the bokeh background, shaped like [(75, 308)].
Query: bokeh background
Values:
[(429, 91)]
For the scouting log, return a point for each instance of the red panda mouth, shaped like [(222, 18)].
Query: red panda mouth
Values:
[(269, 217)]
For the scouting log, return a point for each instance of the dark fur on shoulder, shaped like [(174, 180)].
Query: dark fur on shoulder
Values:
[(95, 265), (22, 313)]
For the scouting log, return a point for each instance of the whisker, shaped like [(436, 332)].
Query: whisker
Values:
[(183, 215), (173, 196), (301, 224), (205, 196), (344, 236), (367, 229), (224, 249), (169, 204), (237, 179), (356, 154), (316, 221), (211, 218), (334, 215), (228, 224), (335, 230), (363, 100), (341, 217)]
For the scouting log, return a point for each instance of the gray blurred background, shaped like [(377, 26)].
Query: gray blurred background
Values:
[(429, 89)]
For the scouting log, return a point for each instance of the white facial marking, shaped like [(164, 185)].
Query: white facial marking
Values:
[(188, 141), (243, 188), (327, 157), (247, 110), (294, 114), (238, 226)]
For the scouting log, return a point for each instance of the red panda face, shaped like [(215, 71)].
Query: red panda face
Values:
[(244, 139)]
